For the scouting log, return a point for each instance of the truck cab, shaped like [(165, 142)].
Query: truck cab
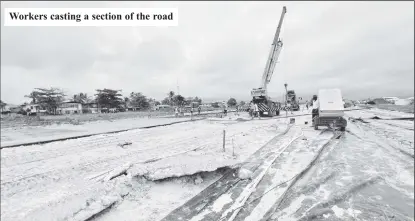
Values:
[(330, 109), (292, 101)]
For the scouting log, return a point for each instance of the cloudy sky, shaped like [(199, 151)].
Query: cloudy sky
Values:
[(218, 50)]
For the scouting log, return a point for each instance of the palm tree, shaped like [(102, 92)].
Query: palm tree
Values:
[(33, 95), (126, 101), (171, 97), (81, 98)]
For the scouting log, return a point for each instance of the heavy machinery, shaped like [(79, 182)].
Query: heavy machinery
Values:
[(292, 101), (330, 109), (266, 106)]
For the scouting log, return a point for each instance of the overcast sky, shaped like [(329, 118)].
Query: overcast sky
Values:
[(218, 50)]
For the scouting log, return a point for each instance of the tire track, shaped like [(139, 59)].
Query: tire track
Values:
[(268, 195), (239, 191), (381, 141), (270, 215), (208, 196), (249, 189)]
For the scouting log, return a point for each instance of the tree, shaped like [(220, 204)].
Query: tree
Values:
[(138, 100), (232, 102), (189, 99), (157, 103), (171, 97), (242, 103), (152, 102), (50, 99), (126, 102), (81, 98), (196, 99), (109, 98), (165, 101), (179, 100)]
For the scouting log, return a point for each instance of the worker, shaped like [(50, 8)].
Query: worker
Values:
[(314, 112), (176, 112), (180, 112), (198, 110), (191, 112), (225, 110), (306, 104), (256, 111), (251, 109)]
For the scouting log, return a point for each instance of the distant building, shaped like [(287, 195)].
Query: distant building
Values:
[(163, 107), (206, 105), (15, 108), (391, 100), (34, 109), (91, 108), (69, 107), (407, 101), (130, 107), (5, 109)]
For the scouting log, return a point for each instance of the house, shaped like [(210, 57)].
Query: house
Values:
[(130, 107), (163, 107), (69, 107), (34, 109), (206, 105), (152, 105), (14, 108), (5, 109), (91, 107)]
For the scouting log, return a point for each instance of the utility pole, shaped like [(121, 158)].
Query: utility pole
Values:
[(286, 111), (178, 92)]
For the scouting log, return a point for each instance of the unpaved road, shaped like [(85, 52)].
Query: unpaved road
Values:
[(170, 173)]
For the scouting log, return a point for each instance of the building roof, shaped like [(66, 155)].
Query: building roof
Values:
[(73, 102)]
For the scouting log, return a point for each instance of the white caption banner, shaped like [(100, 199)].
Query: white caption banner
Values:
[(90, 17)]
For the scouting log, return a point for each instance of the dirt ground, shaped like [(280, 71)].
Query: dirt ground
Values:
[(401, 108), (392, 107), (17, 120)]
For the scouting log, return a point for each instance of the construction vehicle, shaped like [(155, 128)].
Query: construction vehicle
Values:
[(266, 106), (330, 110), (292, 101)]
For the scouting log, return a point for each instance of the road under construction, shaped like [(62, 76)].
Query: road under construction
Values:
[(214, 166)]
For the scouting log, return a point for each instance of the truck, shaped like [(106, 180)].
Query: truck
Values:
[(267, 107), (292, 100), (330, 109)]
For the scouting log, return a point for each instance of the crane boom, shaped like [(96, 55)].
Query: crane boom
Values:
[(267, 107), (276, 47), (274, 53)]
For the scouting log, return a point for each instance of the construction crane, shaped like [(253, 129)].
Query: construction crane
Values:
[(260, 95)]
